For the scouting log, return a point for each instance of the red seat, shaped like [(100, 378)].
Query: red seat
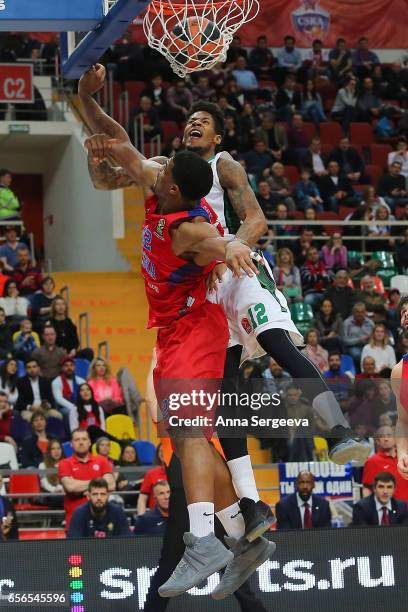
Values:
[(170, 129), (25, 483), (379, 154), (267, 84), (361, 134), (374, 172), (329, 216), (309, 130), (344, 211), (331, 133), (292, 174), (326, 148), (134, 89), (298, 214)]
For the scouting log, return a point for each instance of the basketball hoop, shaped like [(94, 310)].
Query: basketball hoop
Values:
[(195, 36)]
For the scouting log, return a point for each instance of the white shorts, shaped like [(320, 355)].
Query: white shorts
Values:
[(250, 310)]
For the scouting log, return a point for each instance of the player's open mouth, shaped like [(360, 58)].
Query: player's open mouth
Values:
[(195, 133)]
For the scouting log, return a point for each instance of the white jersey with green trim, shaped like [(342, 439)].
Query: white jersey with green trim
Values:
[(219, 201)]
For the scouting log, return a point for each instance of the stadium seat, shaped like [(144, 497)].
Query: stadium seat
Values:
[(309, 129), (81, 368), (344, 211), (400, 282), (55, 428), (134, 89), (361, 134), (355, 258), (301, 312), (67, 448), (347, 365), (170, 129), (379, 154), (386, 259), (374, 172), (299, 214), (331, 133), (292, 174), (320, 448), (330, 216), (114, 453), (21, 369), (146, 451), (20, 428), (8, 459), (121, 426), (387, 275), (25, 483)]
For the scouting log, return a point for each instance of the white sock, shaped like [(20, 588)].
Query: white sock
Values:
[(328, 409), (201, 518), (243, 477), (232, 520)]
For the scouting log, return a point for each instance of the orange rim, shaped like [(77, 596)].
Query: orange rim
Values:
[(171, 8)]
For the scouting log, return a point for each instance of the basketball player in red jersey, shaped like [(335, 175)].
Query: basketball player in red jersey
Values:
[(399, 383), (180, 247)]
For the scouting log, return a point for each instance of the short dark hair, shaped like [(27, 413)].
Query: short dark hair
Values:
[(340, 40), (81, 430), (4, 171), (401, 304), (31, 360), (384, 477), (192, 174), (333, 353), (289, 37), (212, 109), (98, 483), (317, 41)]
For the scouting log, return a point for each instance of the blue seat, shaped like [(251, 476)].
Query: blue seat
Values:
[(68, 450), (55, 428), (146, 451), (347, 365), (20, 428), (82, 367), (21, 369)]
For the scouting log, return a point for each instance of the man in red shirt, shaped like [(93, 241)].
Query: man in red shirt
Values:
[(384, 460), (27, 277), (76, 472)]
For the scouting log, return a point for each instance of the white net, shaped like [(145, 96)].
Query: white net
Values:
[(195, 36)]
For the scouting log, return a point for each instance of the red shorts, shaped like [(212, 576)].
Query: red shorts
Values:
[(190, 366)]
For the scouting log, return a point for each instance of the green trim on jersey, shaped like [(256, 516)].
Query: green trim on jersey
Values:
[(268, 282), (232, 221)]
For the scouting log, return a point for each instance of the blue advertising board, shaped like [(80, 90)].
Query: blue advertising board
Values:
[(331, 480)]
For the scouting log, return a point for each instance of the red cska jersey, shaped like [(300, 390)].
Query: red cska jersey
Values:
[(173, 285)]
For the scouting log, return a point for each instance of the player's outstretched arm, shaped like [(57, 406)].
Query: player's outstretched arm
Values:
[(401, 430)]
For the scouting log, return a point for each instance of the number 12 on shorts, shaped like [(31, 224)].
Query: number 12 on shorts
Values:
[(257, 315)]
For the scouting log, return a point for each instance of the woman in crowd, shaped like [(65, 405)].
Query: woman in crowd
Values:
[(372, 201), (381, 214), (345, 104), (6, 415), (103, 448), (67, 334), (329, 324), (334, 253), (380, 349), (26, 340), (15, 306), (287, 276), (41, 302), (104, 385), (314, 351), (146, 499), (311, 215), (385, 402), (129, 480), (8, 380), (50, 482), (312, 107), (173, 146), (88, 414)]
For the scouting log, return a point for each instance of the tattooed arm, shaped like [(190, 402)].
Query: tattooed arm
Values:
[(107, 177)]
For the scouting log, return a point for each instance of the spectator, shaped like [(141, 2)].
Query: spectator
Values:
[(340, 61), (312, 107), (285, 229), (98, 518), (280, 187), (9, 204), (341, 294), (130, 478), (8, 380), (369, 106), (371, 201), (27, 276), (314, 351), (334, 253), (34, 447), (261, 59), (381, 507), (149, 118), (173, 146), (128, 58), (297, 407), (336, 189), (67, 333), (154, 521), (6, 342), (400, 155), (65, 389), (401, 252), (374, 301), (378, 229), (301, 246), (303, 509), (8, 251), (276, 380), (202, 90), (340, 384), (179, 100), (315, 159), (49, 355), (345, 105), (391, 186), (8, 518), (232, 140), (315, 277), (385, 402), (157, 94), (396, 78), (287, 276), (146, 497), (357, 331), (5, 421), (379, 348), (103, 448), (258, 159), (15, 306), (307, 192), (248, 122), (364, 60), (394, 297), (384, 459), (105, 387), (350, 163), (298, 140), (288, 99), (25, 341), (34, 392), (273, 136), (315, 60), (289, 58), (87, 414), (368, 369), (265, 199), (311, 215), (245, 78), (76, 472), (329, 324), (42, 300), (49, 482), (236, 50)]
